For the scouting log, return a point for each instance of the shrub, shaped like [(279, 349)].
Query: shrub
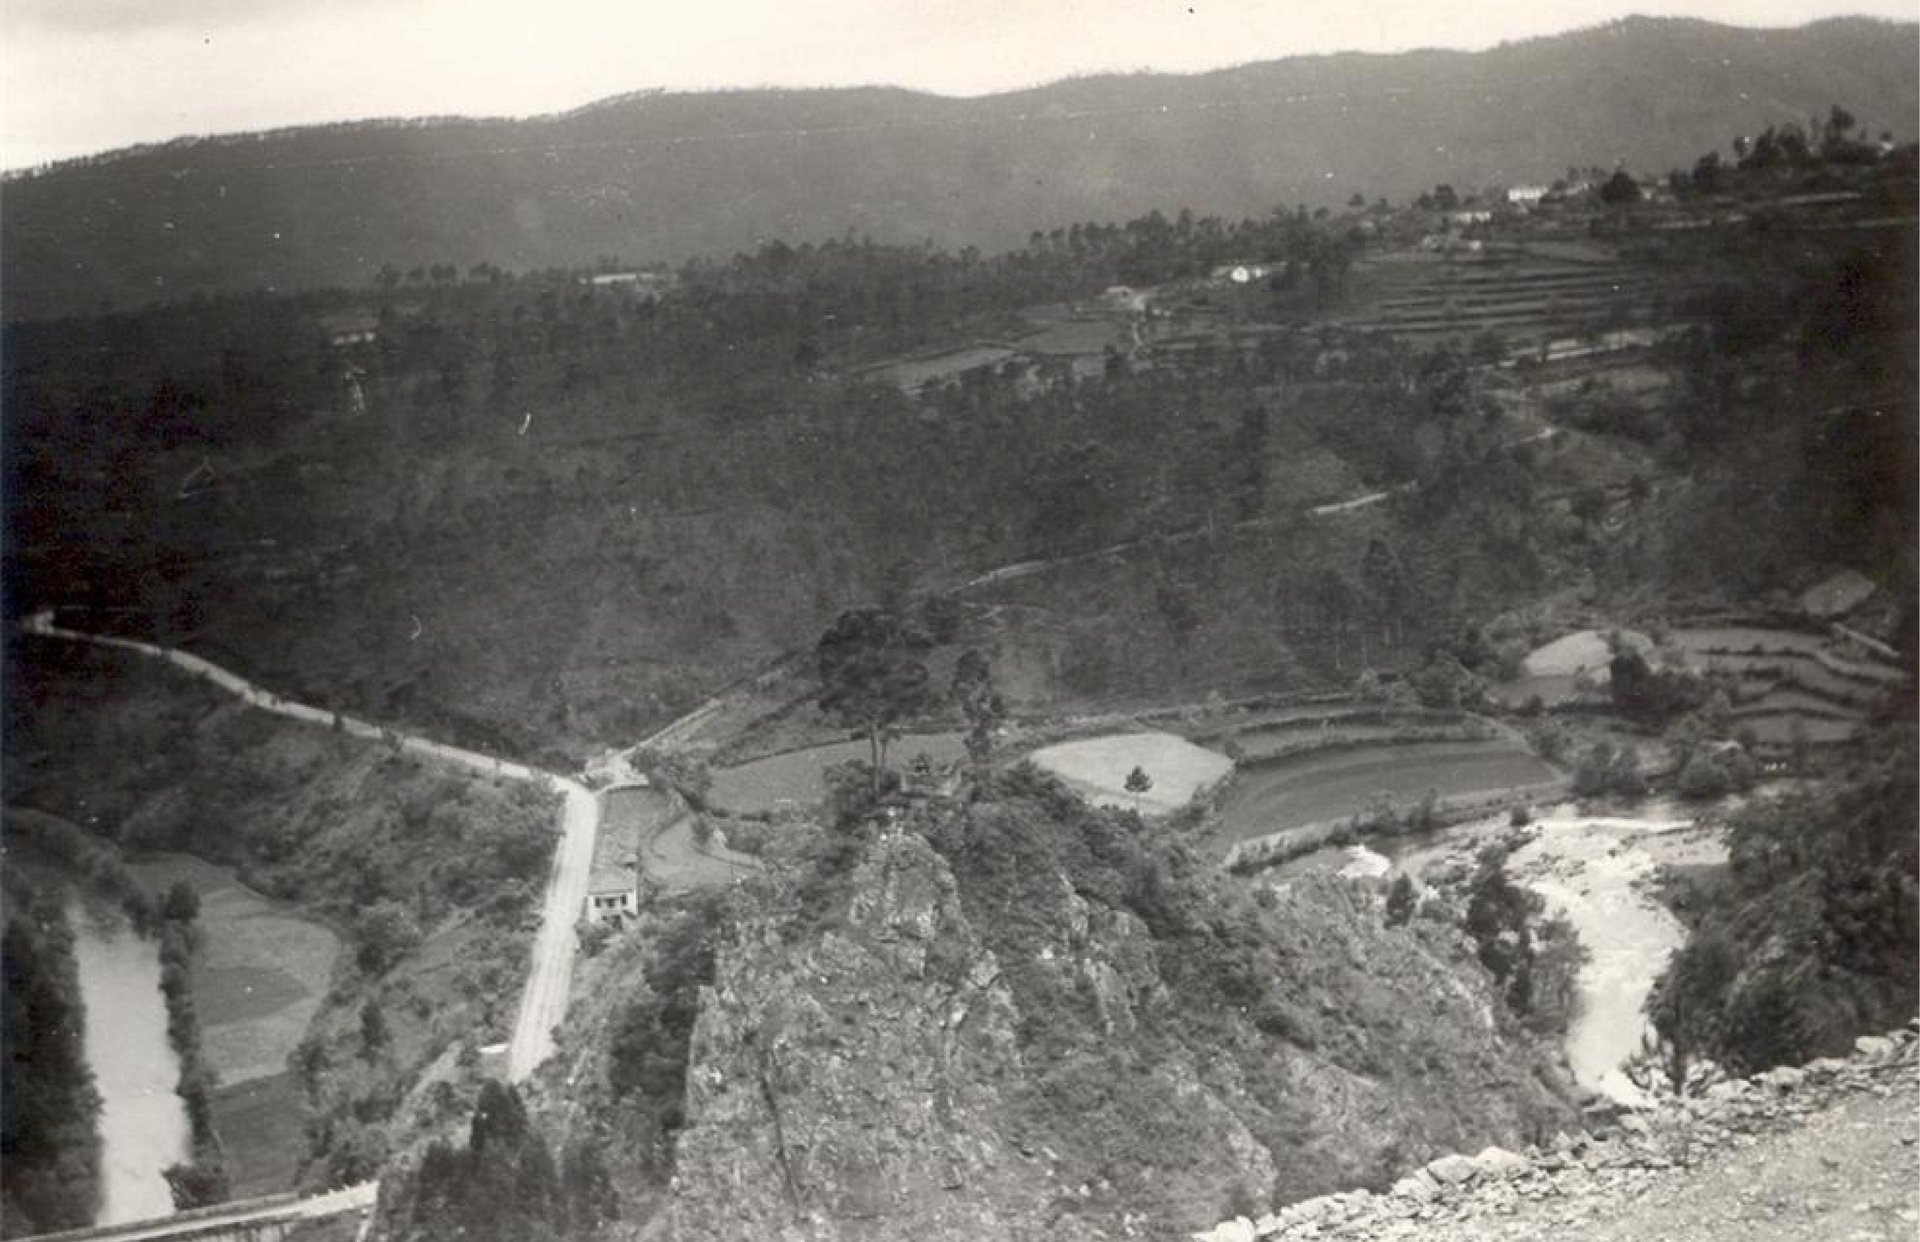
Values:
[(1554, 985), (1550, 740), (1401, 900), (197, 1185), (592, 936), (383, 935), (1609, 769), (1715, 773)]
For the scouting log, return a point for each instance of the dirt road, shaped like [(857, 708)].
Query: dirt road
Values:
[(543, 1003)]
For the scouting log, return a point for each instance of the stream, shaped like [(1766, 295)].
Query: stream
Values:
[(143, 1123)]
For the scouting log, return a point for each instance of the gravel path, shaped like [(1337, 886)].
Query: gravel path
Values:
[(1848, 1173), (1827, 1152)]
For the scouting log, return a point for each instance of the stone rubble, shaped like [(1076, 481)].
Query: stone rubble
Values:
[(1615, 1162)]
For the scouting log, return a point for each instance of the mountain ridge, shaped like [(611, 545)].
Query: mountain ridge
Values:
[(661, 177)]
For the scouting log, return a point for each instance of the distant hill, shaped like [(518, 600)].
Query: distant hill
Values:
[(662, 177)]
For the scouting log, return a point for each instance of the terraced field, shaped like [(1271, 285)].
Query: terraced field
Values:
[(1793, 684), (1267, 738), (795, 778), (1526, 297), (1318, 787)]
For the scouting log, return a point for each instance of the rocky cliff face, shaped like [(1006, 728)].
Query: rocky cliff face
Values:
[(853, 1085), (1027, 1021)]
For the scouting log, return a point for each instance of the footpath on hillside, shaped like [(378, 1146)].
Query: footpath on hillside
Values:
[(1827, 1152)]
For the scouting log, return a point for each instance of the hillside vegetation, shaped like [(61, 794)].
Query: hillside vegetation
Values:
[(1810, 940), (538, 516), (430, 874), (49, 1109), (662, 177)]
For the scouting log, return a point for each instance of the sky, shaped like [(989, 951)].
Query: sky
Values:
[(82, 76)]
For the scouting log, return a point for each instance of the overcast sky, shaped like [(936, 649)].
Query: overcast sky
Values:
[(82, 76)]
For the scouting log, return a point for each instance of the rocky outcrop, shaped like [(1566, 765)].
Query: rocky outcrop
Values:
[(1022, 1022), (852, 1085), (1616, 1164)]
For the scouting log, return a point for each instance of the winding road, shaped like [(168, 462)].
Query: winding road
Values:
[(543, 1004)]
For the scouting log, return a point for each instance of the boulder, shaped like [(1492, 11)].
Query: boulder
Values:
[(1239, 1229), (1498, 1162), (1875, 1047), (1454, 1170), (1418, 1185)]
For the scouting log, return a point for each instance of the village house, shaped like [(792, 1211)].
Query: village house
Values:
[(349, 328), (613, 892), (1240, 273), (613, 884), (654, 283)]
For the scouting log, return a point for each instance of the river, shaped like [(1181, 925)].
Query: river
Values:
[(1593, 869), (143, 1124)]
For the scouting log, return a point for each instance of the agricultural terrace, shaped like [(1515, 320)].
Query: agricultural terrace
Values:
[(1527, 295), (1097, 768), (1330, 785), (796, 778), (1786, 685)]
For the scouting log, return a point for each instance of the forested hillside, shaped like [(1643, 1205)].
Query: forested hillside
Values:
[(538, 514), (660, 178)]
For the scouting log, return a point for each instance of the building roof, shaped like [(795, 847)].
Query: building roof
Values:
[(616, 856)]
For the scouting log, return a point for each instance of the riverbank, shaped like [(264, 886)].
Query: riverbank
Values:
[(143, 1121), (258, 980)]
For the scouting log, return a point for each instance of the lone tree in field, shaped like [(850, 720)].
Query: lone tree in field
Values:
[(873, 675), (1138, 782)]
